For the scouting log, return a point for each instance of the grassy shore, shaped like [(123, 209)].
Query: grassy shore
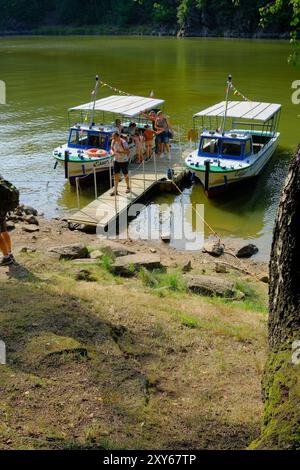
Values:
[(118, 363)]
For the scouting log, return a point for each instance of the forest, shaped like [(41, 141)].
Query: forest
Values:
[(242, 18)]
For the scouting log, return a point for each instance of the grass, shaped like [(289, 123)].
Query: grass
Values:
[(159, 279), (111, 364)]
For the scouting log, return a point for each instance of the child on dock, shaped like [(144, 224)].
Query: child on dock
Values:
[(139, 145), (148, 135)]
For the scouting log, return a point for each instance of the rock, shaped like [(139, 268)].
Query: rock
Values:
[(96, 254), (29, 210), (26, 249), (85, 275), (264, 278), (31, 220), (214, 248), (84, 261), (30, 228), (247, 251), (128, 265), (10, 226), (187, 267), (153, 250), (221, 268), (210, 286), (69, 252), (117, 251)]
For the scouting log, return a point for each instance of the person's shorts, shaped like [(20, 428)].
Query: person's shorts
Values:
[(121, 167), (163, 138), (3, 226)]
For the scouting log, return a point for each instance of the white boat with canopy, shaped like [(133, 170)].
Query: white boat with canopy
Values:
[(88, 149), (237, 140)]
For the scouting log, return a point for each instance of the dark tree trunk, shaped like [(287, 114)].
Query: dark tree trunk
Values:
[(284, 320), (281, 382)]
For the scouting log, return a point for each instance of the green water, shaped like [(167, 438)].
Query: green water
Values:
[(47, 75)]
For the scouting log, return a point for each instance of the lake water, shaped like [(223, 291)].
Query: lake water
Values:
[(47, 75)]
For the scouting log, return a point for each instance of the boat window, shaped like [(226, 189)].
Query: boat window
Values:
[(231, 148), (97, 140), (78, 138), (209, 145), (248, 147)]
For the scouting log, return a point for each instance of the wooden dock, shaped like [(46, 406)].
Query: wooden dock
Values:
[(106, 208)]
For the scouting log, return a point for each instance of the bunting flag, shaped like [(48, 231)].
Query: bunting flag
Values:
[(237, 92), (106, 85)]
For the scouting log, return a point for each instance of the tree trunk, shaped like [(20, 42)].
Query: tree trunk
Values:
[(281, 381)]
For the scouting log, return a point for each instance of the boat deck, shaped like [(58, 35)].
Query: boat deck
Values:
[(106, 208)]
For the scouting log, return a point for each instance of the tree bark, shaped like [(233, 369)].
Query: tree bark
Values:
[(281, 381)]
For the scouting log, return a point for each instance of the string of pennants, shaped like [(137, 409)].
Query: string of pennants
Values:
[(106, 85), (238, 93)]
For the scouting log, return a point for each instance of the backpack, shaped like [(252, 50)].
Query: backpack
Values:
[(9, 196)]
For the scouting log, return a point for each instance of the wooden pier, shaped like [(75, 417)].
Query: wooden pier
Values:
[(105, 209)]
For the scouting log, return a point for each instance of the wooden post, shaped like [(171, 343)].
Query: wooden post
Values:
[(95, 183), (207, 170), (77, 193), (66, 164)]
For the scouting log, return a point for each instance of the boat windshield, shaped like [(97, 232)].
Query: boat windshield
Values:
[(231, 148), (227, 148), (85, 139), (209, 145)]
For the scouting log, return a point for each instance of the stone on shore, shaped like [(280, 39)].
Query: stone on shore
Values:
[(211, 286), (214, 248), (31, 220), (97, 254), (247, 251), (128, 265), (70, 252), (30, 228), (220, 268)]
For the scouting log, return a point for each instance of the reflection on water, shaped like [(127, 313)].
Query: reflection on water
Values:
[(46, 76)]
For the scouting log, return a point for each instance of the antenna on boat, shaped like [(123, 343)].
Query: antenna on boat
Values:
[(94, 94), (229, 83)]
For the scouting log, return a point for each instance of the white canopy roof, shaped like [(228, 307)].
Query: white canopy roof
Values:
[(126, 105), (242, 109)]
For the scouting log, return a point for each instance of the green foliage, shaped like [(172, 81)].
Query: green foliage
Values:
[(213, 16), (162, 280)]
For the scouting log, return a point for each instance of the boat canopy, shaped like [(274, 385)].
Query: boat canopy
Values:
[(130, 106), (242, 110)]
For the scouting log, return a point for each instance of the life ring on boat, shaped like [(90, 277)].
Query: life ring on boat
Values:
[(96, 153)]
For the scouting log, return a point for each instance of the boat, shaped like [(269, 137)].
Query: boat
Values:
[(237, 141), (88, 150)]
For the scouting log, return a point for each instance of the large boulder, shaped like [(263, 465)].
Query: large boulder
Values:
[(214, 248), (211, 286), (69, 252), (247, 251), (128, 265)]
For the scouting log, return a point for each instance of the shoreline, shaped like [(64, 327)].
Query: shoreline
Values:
[(82, 31)]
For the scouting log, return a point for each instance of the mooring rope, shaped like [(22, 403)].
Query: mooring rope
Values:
[(219, 238)]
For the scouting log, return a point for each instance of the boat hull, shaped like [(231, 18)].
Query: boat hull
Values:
[(218, 182), (84, 168)]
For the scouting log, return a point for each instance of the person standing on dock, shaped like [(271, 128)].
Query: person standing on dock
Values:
[(120, 151), (164, 132), (139, 145), (149, 134)]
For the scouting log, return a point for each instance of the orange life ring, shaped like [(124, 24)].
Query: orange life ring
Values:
[(96, 153)]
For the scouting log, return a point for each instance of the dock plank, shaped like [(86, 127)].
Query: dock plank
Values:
[(107, 208)]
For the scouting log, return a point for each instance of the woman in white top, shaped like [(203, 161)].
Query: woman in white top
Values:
[(120, 151)]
